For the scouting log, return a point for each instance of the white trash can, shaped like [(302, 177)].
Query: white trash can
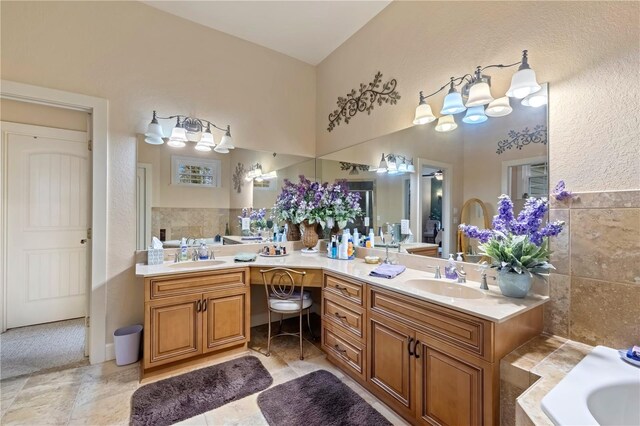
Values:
[(127, 342)]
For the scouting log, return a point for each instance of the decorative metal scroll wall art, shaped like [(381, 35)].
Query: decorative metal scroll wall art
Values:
[(364, 100), (523, 138), (353, 168), (238, 177)]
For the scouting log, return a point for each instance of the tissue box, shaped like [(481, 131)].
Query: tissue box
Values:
[(155, 256)]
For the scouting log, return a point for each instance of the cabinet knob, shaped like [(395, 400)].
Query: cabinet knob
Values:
[(340, 317), (339, 349), (342, 289)]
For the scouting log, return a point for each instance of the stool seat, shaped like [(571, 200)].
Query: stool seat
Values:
[(290, 304)]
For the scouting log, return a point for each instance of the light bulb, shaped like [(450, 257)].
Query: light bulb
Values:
[(499, 107), (446, 123)]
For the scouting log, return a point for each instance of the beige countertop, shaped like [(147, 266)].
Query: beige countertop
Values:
[(493, 306)]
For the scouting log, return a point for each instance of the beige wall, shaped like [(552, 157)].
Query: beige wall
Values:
[(587, 51), (589, 54), (142, 59), (42, 115)]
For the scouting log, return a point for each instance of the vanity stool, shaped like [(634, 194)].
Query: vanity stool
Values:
[(283, 298)]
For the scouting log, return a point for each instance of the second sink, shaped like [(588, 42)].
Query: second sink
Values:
[(442, 288)]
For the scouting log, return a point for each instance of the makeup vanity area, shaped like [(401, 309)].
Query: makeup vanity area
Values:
[(429, 348)]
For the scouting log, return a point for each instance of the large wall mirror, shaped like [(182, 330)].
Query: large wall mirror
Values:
[(436, 173), (184, 193)]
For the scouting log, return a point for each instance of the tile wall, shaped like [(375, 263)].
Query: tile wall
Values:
[(595, 290)]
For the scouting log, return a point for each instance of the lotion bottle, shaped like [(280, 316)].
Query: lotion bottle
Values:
[(183, 250), (372, 237)]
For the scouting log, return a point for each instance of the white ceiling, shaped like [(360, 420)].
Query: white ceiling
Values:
[(306, 30)]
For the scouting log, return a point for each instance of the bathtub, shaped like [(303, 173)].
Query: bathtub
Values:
[(601, 390)]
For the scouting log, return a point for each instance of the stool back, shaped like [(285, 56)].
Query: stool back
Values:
[(281, 282)]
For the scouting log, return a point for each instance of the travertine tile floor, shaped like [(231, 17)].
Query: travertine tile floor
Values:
[(101, 394)]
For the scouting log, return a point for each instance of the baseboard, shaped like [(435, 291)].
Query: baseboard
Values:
[(110, 352)]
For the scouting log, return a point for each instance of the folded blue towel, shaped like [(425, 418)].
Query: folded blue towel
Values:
[(251, 238), (244, 257), (388, 271), (633, 353)]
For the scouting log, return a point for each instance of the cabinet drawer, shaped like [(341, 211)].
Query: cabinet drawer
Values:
[(183, 284), (343, 350), (454, 328), (346, 319), (346, 289)]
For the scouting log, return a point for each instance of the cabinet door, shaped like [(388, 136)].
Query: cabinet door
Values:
[(226, 319), (391, 366), (173, 330), (449, 389)]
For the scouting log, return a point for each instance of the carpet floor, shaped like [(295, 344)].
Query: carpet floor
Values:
[(178, 398), (317, 399), (27, 350)]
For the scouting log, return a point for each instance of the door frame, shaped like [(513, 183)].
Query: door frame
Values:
[(148, 170), (447, 216), (98, 134)]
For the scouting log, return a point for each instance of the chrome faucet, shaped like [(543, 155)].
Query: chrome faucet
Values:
[(437, 271), (461, 274), (212, 255), (194, 255), (176, 258), (483, 280)]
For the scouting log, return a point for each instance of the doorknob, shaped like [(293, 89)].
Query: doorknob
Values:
[(83, 241)]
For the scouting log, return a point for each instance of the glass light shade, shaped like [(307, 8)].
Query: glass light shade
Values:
[(248, 177), (202, 147), (179, 134), (536, 99), (402, 167), (176, 143), (207, 139), (452, 104), (270, 175), (382, 167), (221, 149), (438, 175), (381, 171), (499, 107), (227, 142), (479, 94), (424, 114), (523, 83), (393, 172), (259, 179), (154, 130), (411, 168), (475, 115), (392, 165), (446, 123), (151, 140)]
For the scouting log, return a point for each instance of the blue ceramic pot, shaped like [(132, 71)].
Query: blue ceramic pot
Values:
[(513, 284)]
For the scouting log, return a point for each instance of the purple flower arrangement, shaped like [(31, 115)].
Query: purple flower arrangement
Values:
[(560, 193), (517, 243), (257, 217), (316, 202)]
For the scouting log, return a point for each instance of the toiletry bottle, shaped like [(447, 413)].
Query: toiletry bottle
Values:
[(203, 252), (334, 247), (344, 246), (372, 237), (184, 255), (350, 250), (449, 270), (459, 258), (356, 238)]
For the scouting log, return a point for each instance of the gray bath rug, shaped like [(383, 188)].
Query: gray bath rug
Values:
[(319, 398), (178, 398)]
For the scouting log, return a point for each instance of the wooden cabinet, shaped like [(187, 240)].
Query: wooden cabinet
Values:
[(431, 364), (424, 251), (391, 368), (193, 315)]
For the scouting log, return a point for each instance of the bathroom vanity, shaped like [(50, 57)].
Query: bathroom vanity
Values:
[(428, 348)]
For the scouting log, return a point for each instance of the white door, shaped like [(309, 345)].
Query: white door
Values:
[(48, 181)]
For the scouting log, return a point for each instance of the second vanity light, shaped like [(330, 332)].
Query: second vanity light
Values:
[(477, 92), (189, 129)]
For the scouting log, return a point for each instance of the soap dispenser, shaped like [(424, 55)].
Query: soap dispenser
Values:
[(450, 269), (203, 252), (184, 255)]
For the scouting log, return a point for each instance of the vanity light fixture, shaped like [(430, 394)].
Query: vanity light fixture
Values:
[(188, 129), (395, 164), (499, 107), (446, 123), (255, 173), (476, 92), (475, 115), (537, 99)]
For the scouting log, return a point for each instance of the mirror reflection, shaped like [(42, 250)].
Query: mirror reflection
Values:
[(438, 180), (185, 193)]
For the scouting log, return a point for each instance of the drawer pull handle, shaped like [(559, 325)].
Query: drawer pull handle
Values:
[(344, 290), (409, 346), (415, 349), (198, 305), (204, 306), (341, 317), (344, 351)]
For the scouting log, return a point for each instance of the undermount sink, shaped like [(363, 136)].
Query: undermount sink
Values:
[(196, 264), (446, 289)]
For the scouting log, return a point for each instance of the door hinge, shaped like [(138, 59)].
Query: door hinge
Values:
[(90, 144), (87, 321), (89, 233)]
